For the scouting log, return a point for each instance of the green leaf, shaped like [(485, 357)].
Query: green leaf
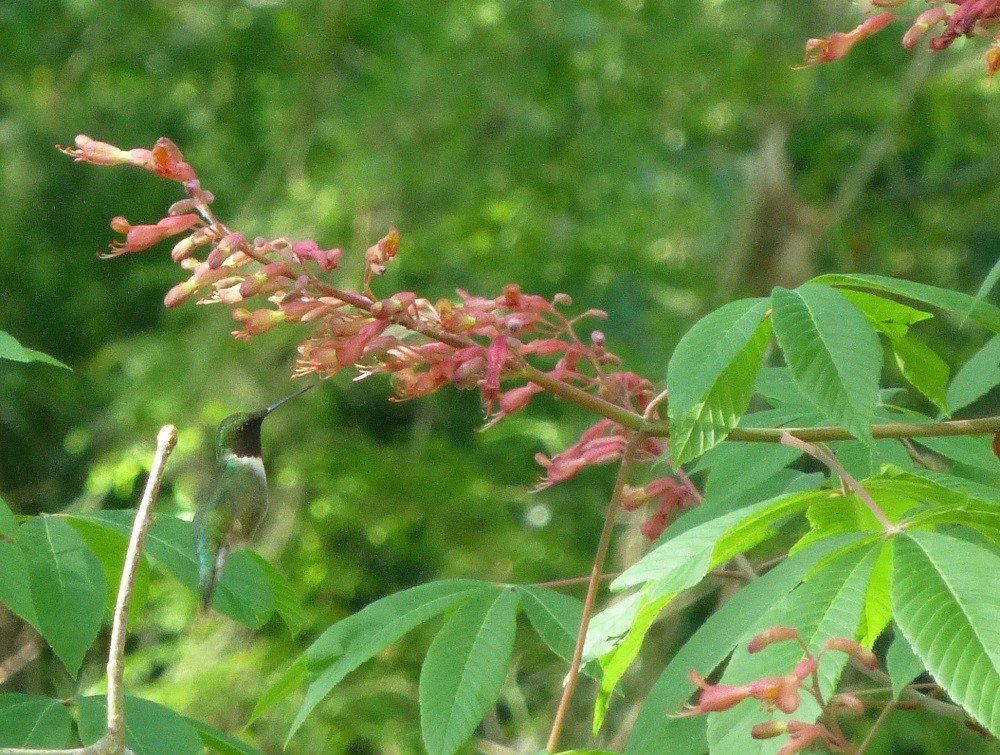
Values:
[(15, 587), (555, 617), (680, 562), (827, 605), (616, 663), (877, 610), (170, 545), (347, 644), (8, 524), (219, 741), (950, 615), (989, 281), (882, 311), (286, 602), (32, 721), (745, 466), (711, 375), (902, 664), (67, 587), (921, 366), (244, 591), (289, 681), (464, 669), (15, 352), (110, 548), (656, 730), (832, 353), (957, 303), (777, 385), (150, 728), (977, 377)]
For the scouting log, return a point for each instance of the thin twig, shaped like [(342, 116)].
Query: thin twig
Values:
[(610, 515), (827, 458), (165, 442), (113, 742), (876, 726), (571, 581)]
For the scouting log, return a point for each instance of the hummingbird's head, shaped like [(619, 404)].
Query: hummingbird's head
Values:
[(240, 433)]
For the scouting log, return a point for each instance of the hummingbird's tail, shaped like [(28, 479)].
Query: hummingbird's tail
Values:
[(208, 575), (211, 550)]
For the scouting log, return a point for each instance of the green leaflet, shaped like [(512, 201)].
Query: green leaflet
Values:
[(977, 377), (711, 375), (680, 562), (15, 587), (33, 721), (963, 305), (67, 587), (827, 605), (554, 616), (286, 602), (150, 728), (219, 741), (921, 366), (8, 524), (347, 644), (950, 616), (832, 353), (655, 731), (110, 547), (12, 350), (902, 663), (464, 669), (882, 311)]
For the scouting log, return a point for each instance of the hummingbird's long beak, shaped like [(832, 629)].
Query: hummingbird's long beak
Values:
[(276, 404)]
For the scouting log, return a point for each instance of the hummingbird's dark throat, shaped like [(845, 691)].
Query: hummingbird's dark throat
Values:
[(247, 441)]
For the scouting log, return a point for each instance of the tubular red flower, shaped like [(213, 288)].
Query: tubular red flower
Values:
[(168, 162), (838, 45), (139, 237), (771, 636), (852, 648)]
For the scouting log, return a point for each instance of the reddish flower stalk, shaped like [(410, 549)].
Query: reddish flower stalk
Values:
[(472, 342)]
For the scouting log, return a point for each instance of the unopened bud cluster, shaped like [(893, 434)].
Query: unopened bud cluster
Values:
[(945, 20), (784, 693)]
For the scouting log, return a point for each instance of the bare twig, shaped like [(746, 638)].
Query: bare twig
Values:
[(113, 742), (610, 515), (876, 726)]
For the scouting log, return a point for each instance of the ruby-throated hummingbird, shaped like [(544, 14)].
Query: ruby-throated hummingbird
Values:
[(230, 514)]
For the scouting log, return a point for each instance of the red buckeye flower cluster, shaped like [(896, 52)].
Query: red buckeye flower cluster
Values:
[(784, 693), (472, 342), (947, 19)]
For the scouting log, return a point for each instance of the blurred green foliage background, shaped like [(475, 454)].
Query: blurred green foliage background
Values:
[(654, 159)]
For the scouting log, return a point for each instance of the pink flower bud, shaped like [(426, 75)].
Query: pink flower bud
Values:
[(848, 646), (497, 354), (772, 636), (259, 321), (517, 399), (350, 351), (848, 702), (179, 293), (804, 668), (803, 737), (922, 24), (91, 151), (184, 248)]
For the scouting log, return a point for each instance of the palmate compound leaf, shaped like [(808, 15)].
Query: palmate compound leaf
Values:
[(711, 375), (832, 353), (554, 616), (67, 587), (656, 730), (464, 669), (33, 721), (950, 615), (676, 563), (959, 304), (350, 642), (828, 604)]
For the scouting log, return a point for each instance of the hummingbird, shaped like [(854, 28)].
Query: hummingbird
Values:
[(237, 501)]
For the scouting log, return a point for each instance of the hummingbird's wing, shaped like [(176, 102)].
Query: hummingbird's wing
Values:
[(227, 517)]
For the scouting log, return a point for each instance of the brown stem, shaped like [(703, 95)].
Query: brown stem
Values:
[(827, 458), (610, 515)]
